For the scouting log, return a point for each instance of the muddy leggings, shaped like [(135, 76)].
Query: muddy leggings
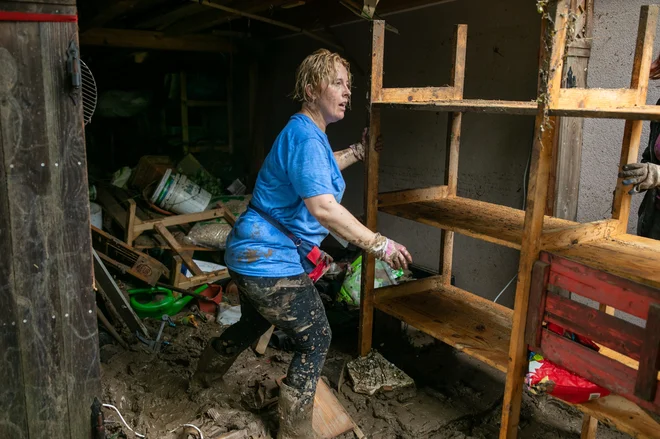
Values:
[(293, 305)]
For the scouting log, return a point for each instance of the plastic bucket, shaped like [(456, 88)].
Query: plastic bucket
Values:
[(179, 195), (96, 215)]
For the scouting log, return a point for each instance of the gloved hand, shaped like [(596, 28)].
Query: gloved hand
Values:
[(359, 149), (643, 176), (394, 254)]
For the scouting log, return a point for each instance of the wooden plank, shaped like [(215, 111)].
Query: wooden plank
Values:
[(417, 94), (457, 78), (617, 412), (112, 207), (262, 344), (633, 130), (521, 108), (490, 222), (271, 21), (537, 303), (395, 198), (371, 191), (632, 258), (471, 324), (52, 336), (110, 10), (597, 368), (176, 220), (162, 21), (603, 287), (14, 413), (130, 223), (589, 427), (602, 98), (117, 297), (647, 375), (407, 288), (368, 260), (615, 333), (142, 39), (377, 57), (174, 244), (329, 419), (577, 234), (551, 66), (206, 278)]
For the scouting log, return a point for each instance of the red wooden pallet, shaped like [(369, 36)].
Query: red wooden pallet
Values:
[(553, 272)]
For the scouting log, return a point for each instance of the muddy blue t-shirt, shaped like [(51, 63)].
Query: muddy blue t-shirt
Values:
[(300, 165)]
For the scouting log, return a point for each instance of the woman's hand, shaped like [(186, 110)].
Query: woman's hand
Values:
[(359, 149), (391, 252)]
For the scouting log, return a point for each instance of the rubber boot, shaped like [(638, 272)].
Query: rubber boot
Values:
[(212, 367), (295, 415)]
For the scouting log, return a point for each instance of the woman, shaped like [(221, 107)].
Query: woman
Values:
[(645, 176), (296, 201)]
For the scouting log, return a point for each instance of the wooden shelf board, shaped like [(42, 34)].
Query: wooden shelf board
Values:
[(631, 257), (469, 323), (478, 219), (624, 415)]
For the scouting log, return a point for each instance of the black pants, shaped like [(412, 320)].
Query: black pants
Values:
[(293, 305)]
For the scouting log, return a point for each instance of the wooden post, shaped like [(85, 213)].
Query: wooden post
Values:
[(371, 191), (453, 144), (565, 181), (553, 50), (48, 330), (633, 130)]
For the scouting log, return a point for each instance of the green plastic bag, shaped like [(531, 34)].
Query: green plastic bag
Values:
[(350, 289)]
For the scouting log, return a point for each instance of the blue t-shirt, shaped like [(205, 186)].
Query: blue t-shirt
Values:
[(300, 165)]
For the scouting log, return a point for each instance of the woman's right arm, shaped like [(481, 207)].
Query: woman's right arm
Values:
[(339, 221)]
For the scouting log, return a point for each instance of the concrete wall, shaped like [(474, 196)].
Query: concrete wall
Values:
[(501, 63), (612, 55)]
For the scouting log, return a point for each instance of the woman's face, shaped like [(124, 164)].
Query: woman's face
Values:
[(335, 97)]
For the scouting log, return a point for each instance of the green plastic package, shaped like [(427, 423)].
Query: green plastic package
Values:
[(350, 289)]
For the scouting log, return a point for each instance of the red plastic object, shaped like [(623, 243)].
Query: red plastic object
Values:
[(214, 292)]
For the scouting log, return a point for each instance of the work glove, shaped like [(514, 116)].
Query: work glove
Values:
[(359, 149), (392, 253), (643, 176)]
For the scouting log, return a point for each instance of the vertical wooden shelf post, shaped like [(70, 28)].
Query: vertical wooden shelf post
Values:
[(371, 191), (632, 134), (453, 145), (552, 63)]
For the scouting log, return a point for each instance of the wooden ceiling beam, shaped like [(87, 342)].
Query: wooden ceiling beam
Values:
[(201, 22), (111, 10), (163, 21), (141, 39), (277, 23)]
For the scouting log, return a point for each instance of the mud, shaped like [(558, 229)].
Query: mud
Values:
[(454, 397)]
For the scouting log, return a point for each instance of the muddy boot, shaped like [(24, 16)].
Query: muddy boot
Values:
[(295, 416), (212, 366)]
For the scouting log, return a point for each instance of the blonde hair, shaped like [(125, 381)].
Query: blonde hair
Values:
[(655, 69), (317, 68)]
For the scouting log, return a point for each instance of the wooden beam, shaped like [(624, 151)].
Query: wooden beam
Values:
[(581, 233), (204, 21), (395, 198), (110, 10), (176, 220), (161, 22), (589, 427), (603, 98), (408, 288), (632, 134), (273, 22), (419, 94), (176, 247), (110, 289), (141, 39), (371, 195), (549, 87)]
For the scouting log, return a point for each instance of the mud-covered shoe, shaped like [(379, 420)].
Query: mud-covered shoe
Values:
[(295, 412), (211, 368)]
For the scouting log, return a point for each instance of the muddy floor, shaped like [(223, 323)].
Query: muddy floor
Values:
[(454, 396)]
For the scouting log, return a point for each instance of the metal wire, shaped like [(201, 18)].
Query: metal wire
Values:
[(89, 92)]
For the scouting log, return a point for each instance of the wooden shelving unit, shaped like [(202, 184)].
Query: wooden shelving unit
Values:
[(484, 330)]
